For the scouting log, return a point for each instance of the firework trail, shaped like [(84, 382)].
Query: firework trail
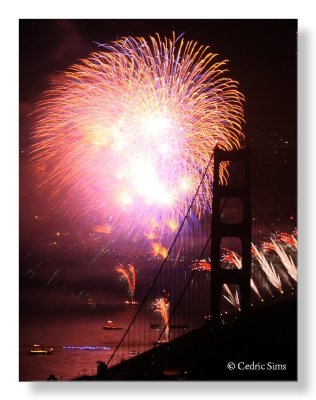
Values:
[(286, 260), (128, 274), (289, 240), (177, 258), (129, 131), (52, 277), (267, 247), (201, 265), (233, 258), (233, 299), (161, 306), (267, 268)]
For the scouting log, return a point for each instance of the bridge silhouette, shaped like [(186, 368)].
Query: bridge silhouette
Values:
[(219, 270)]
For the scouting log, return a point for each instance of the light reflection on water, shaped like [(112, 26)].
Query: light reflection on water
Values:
[(83, 327), (78, 331)]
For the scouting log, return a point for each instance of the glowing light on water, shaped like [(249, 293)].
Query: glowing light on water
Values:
[(88, 348)]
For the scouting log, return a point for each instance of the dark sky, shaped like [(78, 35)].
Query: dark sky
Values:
[(262, 56)]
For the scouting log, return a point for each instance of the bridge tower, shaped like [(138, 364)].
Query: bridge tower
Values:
[(240, 230)]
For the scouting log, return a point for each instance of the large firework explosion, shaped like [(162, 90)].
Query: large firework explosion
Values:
[(124, 136)]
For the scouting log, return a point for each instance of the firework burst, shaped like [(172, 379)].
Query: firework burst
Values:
[(158, 250), (128, 275), (231, 257), (286, 260), (268, 247), (233, 299), (289, 240), (267, 268), (128, 132), (161, 306), (201, 265)]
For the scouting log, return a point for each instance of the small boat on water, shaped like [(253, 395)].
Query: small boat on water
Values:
[(111, 326), (38, 350), (130, 303)]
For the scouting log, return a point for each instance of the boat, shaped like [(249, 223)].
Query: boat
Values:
[(111, 326), (130, 303), (38, 350)]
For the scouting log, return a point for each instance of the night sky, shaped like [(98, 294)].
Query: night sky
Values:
[(262, 56)]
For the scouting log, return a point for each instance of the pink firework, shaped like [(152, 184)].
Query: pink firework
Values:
[(128, 132)]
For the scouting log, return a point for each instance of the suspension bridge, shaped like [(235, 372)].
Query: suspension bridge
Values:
[(226, 291)]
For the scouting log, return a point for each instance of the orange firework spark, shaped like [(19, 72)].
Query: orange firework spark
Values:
[(254, 251), (151, 236), (173, 225), (288, 239), (106, 229), (233, 258), (128, 274), (158, 250), (201, 265), (129, 131), (268, 247)]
